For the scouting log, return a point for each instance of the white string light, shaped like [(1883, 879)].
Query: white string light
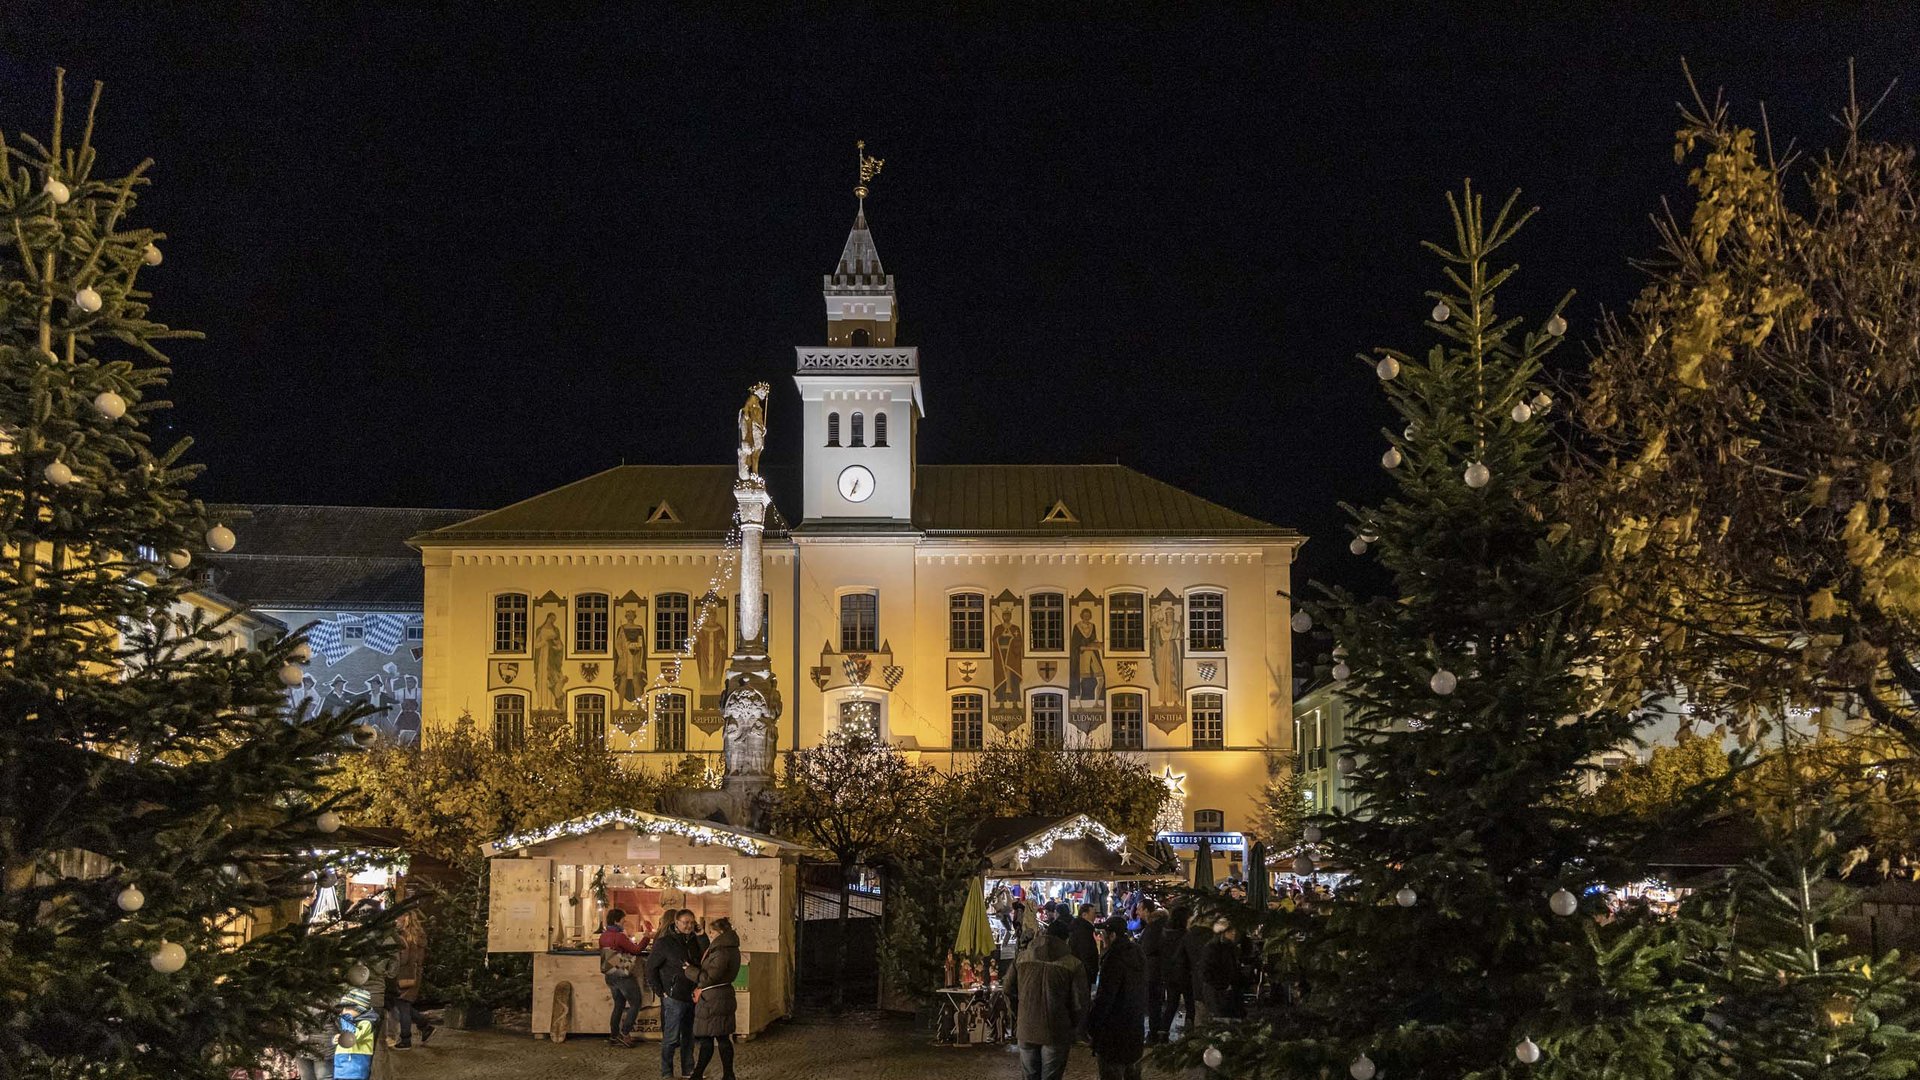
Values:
[(1078, 827), (638, 821)]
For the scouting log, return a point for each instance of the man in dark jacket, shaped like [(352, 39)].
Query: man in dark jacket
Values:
[(1117, 1018), (1222, 986), (1085, 948), (672, 952), (1048, 991), (1188, 956), (1153, 950)]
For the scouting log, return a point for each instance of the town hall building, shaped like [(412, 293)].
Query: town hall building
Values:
[(944, 606)]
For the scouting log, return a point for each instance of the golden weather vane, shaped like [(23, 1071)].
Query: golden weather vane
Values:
[(869, 168)]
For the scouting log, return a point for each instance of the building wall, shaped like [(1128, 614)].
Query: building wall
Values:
[(360, 657), (909, 682)]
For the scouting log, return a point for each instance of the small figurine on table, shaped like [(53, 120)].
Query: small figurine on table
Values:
[(953, 973), (968, 979), (993, 972)]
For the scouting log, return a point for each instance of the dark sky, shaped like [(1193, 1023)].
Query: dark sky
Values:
[(456, 259)]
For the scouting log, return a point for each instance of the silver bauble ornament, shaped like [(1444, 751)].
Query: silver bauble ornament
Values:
[(220, 538), (1345, 764), (57, 191), (1303, 864), (1476, 475), (151, 256), (1406, 897), (1357, 546), (87, 300), (1441, 311), (364, 734), (110, 405), (1302, 622), (1312, 834), (1213, 1057), (290, 674), (57, 473), (358, 975), (1542, 402), (168, 958), (1341, 671), (1557, 326), (1443, 682), (327, 822), (345, 1039), (1522, 413), (131, 899), (1527, 1052), (1361, 1069), (1387, 368), (179, 558), (1390, 459), (1563, 902)]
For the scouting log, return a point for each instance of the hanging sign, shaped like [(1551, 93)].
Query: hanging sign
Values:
[(759, 909), (1187, 841)]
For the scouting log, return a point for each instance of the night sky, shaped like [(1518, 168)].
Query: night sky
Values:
[(455, 260)]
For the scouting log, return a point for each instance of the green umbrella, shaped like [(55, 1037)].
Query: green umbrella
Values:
[(1203, 865), (1257, 877), (976, 934)]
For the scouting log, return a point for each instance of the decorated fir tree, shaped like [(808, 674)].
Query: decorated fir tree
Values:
[(1455, 946), (159, 813)]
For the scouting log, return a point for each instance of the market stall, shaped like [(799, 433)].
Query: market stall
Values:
[(550, 889)]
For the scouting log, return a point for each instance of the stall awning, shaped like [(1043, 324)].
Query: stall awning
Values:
[(1075, 848), (648, 823)]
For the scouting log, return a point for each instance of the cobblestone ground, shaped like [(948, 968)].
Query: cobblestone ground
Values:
[(804, 1048)]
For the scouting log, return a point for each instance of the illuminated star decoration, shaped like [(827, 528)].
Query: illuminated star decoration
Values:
[(1176, 782)]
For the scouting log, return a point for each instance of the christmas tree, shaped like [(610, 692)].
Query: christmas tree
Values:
[(159, 814), (1455, 946)]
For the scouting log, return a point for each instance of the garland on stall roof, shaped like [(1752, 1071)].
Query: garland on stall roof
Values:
[(634, 819), (1079, 828)]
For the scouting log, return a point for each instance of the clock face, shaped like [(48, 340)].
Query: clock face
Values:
[(856, 483)]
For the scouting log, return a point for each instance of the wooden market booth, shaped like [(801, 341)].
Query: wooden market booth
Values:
[(550, 888), (1075, 849)]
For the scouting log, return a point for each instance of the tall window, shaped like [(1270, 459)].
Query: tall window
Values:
[(1047, 622), (1209, 821), (879, 429), (670, 622), (859, 430), (1049, 721), (670, 722), (860, 714), (509, 721), (590, 623), (859, 622), (833, 429), (969, 721), (590, 719), (1127, 622), (1129, 721), (1209, 721), (1206, 622), (967, 622), (510, 623)]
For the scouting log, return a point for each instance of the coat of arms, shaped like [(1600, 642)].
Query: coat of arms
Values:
[(589, 672), (1126, 669), (508, 671), (819, 675), (1209, 670), (857, 666), (968, 668), (1047, 668), (893, 673)]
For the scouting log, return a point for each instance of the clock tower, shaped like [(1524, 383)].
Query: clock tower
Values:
[(860, 394)]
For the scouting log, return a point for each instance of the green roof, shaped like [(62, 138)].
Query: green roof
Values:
[(623, 504)]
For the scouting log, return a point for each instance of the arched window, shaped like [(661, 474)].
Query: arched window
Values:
[(859, 430), (670, 722), (969, 721), (833, 429), (510, 623), (1049, 721), (879, 429), (590, 719), (861, 339), (509, 721)]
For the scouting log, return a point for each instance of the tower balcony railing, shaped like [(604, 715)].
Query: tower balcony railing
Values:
[(831, 360)]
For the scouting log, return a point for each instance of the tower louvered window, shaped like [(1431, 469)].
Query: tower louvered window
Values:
[(859, 430), (833, 429), (879, 429)]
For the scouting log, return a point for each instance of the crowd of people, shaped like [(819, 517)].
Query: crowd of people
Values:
[(1118, 983)]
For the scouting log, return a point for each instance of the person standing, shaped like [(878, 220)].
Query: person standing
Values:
[(1085, 948), (409, 966), (1222, 986), (713, 999), (1117, 1018), (618, 954), (1183, 969), (666, 974), (1049, 994), (1153, 952)]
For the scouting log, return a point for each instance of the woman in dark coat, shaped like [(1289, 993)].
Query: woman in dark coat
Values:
[(713, 999)]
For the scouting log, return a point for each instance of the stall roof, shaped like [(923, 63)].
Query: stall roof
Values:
[(644, 821), (1026, 847)]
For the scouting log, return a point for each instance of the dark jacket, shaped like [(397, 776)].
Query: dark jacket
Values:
[(1048, 990), (1153, 947), (1187, 958), (672, 952), (1085, 949), (713, 1013), (1221, 983), (1117, 1019)]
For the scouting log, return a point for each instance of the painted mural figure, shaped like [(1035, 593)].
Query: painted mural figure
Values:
[(1165, 644), (548, 652), (406, 726), (710, 650), (1088, 674), (1009, 652), (630, 657)]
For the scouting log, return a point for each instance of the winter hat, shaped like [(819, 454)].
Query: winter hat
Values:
[(1116, 925), (356, 999)]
